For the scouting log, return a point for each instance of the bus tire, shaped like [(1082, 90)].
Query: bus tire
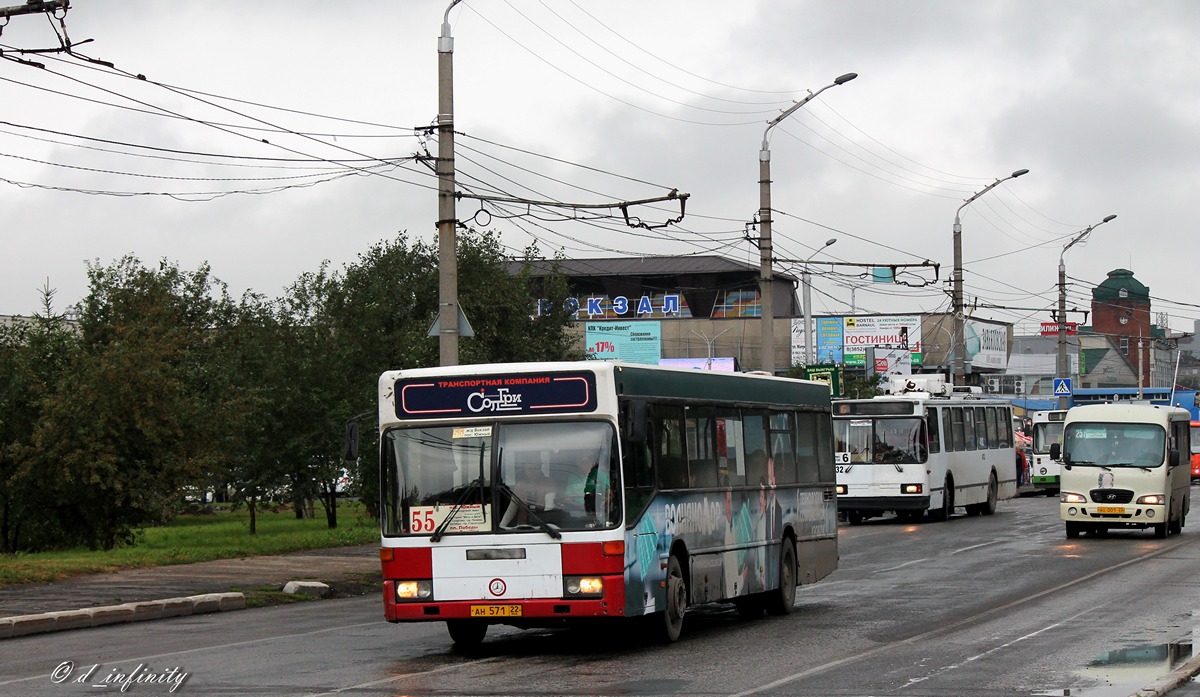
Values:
[(466, 634), (947, 508), (993, 495), (1161, 531), (854, 518), (1073, 529), (782, 600), (676, 603)]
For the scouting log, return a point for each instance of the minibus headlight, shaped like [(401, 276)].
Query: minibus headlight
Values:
[(583, 586), (1069, 497), (1152, 499), (841, 489), (407, 591)]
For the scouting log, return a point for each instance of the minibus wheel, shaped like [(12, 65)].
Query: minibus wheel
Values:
[(1073, 529)]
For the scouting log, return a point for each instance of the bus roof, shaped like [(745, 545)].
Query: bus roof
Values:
[(1123, 412)]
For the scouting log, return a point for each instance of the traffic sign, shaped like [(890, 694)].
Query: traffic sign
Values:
[(1062, 387)]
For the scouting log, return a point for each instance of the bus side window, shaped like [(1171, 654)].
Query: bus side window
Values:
[(783, 448), (670, 458), (932, 428), (808, 446), (959, 429)]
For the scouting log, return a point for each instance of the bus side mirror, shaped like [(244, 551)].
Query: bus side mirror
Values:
[(634, 420), (1055, 451), (1173, 458)]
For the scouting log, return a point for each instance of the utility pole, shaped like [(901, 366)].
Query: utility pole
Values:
[(960, 344), (448, 310), (1063, 366)]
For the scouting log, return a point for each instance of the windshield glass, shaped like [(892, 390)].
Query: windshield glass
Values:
[(1044, 434), (885, 441), (489, 478), (1114, 444), (1195, 439)]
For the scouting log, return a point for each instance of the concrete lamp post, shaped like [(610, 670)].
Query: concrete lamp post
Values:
[(1063, 368), (960, 343), (766, 274), (806, 296)]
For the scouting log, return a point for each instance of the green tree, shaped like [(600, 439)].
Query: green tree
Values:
[(131, 424), (34, 359)]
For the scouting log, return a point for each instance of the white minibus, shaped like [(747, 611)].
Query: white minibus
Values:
[(1123, 467)]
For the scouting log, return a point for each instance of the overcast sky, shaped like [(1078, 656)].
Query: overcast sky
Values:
[(295, 103)]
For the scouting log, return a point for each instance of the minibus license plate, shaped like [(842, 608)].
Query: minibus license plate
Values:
[(495, 611), (1110, 509)]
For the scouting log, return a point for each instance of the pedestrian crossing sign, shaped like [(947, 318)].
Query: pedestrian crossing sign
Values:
[(1062, 387)]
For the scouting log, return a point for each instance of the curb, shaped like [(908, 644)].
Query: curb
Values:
[(1171, 680), (24, 625)]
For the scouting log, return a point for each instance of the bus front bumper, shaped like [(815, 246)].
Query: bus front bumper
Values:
[(883, 503), (514, 611), (1120, 515)]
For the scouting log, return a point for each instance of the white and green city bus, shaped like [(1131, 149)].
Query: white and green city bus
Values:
[(1124, 466), (546, 494), (1046, 428)]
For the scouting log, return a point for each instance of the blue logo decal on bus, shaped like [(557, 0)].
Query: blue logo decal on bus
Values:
[(485, 395)]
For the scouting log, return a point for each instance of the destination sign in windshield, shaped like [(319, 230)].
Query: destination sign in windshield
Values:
[(495, 395)]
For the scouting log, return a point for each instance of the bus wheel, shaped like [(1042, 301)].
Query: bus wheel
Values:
[(466, 634), (947, 508), (993, 494), (854, 517), (676, 600), (1175, 526), (1073, 529), (1160, 531), (782, 600)]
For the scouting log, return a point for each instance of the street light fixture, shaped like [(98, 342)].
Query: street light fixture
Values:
[(766, 274), (1062, 304), (960, 343), (806, 279)]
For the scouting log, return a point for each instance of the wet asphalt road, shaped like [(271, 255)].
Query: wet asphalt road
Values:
[(998, 605)]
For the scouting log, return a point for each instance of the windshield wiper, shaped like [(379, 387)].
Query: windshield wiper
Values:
[(546, 527), (462, 498)]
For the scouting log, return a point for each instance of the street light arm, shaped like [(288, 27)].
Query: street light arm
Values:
[(792, 109), (988, 188), (1082, 234)]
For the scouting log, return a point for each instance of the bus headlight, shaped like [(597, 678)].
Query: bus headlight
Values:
[(407, 591), (583, 586), (1152, 499), (911, 488), (1068, 497), (1042, 471), (841, 489)]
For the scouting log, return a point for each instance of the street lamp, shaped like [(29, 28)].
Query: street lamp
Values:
[(1062, 304), (806, 279), (766, 274), (960, 344)]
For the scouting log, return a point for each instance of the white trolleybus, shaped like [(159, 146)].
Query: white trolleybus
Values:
[(1046, 429), (1124, 466), (546, 494), (922, 448)]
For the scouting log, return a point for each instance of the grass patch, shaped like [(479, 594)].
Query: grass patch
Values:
[(192, 538)]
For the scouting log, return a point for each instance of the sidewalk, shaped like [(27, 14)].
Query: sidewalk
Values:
[(345, 567)]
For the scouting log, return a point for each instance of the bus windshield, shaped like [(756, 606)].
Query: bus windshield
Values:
[(1114, 444), (1195, 437), (1045, 433), (885, 441), (500, 477)]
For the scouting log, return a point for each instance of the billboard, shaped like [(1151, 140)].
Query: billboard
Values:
[(634, 342), (845, 339)]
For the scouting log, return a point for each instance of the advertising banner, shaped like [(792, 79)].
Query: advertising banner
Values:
[(987, 345), (634, 342), (880, 331)]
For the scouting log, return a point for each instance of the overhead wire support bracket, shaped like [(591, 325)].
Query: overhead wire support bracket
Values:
[(867, 265), (631, 221)]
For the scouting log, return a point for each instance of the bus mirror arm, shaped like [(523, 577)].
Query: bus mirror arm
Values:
[(635, 420)]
